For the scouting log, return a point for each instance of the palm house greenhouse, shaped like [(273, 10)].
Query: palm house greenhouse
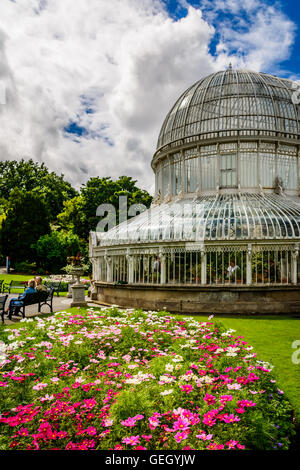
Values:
[(223, 231)]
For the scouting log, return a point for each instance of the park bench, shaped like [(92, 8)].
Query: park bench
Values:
[(3, 299), (19, 285), (55, 285), (41, 298)]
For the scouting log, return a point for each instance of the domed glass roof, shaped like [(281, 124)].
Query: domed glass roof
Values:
[(242, 216), (232, 100)]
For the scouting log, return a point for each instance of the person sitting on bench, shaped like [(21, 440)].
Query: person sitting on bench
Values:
[(40, 287), (16, 303)]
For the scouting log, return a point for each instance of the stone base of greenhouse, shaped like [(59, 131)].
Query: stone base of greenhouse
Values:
[(225, 299)]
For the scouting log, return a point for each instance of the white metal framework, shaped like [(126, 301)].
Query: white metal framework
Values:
[(227, 208)]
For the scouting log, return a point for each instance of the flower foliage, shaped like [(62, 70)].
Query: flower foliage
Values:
[(112, 379)]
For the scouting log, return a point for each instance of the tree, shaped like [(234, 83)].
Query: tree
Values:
[(26, 219), (79, 214), (32, 176), (53, 249)]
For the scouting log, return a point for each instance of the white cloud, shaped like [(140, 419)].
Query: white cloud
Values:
[(127, 60), (261, 37)]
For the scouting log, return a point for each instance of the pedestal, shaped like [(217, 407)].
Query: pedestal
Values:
[(78, 292), (70, 284)]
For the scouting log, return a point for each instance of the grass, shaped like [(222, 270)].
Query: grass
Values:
[(272, 338)]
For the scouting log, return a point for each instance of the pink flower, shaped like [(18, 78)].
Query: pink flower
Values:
[(225, 398), (240, 410), (204, 437), (153, 422), (138, 417), (209, 418), (180, 436), (129, 422), (133, 440), (209, 399), (186, 388), (39, 386), (214, 446), (23, 432), (91, 431), (230, 418), (181, 424), (107, 423), (231, 444), (246, 403)]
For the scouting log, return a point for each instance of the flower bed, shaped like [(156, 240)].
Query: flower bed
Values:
[(64, 280), (111, 379)]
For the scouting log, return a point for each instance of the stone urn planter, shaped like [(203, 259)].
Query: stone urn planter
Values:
[(78, 290)]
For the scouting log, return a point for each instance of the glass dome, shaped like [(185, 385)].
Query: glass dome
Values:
[(230, 101), (231, 130)]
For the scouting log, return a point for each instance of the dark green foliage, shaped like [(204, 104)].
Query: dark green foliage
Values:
[(53, 249), (43, 220), (80, 213), (27, 219), (31, 176)]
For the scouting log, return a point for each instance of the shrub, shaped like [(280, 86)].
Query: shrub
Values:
[(24, 267), (53, 249), (110, 379)]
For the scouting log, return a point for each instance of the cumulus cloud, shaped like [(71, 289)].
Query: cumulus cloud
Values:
[(88, 84)]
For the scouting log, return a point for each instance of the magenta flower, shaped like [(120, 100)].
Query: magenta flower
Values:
[(204, 436), (209, 399), (180, 436), (230, 418), (186, 388), (132, 441), (181, 424), (153, 422), (129, 422)]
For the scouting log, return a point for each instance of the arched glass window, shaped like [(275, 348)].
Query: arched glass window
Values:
[(228, 166)]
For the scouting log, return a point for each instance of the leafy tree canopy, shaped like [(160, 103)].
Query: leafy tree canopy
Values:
[(26, 220), (53, 249), (27, 175), (79, 214)]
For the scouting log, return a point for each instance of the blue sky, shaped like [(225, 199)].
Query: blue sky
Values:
[(292, 9)]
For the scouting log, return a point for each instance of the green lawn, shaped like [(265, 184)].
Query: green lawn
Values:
[(272, 338)]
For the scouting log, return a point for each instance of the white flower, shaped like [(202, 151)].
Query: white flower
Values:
[(177, 358), (219, 350), (228, 333), (234, 386), (169, 367), (167, 392)]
